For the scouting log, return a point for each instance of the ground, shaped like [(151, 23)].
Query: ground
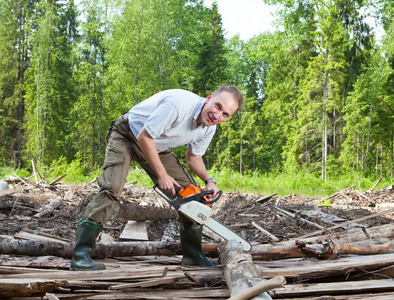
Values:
[(240, 212), (52, 210)]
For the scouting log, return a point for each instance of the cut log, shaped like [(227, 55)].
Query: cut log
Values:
[(239, 270), (8, 245), (136, 212), (327, 250), (28, 287)]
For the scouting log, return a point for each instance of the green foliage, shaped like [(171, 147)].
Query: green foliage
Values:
[(6, 172), (75, 170), (318, 92), (325, 203), (303, 183)]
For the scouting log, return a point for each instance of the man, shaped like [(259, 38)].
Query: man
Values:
[(146, 135)]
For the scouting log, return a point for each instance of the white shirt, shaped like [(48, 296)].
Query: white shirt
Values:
[(170, 118)]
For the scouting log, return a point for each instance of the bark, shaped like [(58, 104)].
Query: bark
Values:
[(328, 250), (103, 250), (136, 212)]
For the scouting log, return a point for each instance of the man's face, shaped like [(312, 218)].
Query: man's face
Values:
[(218, 108)]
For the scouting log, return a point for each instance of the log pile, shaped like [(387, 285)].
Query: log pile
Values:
[(300, 250)]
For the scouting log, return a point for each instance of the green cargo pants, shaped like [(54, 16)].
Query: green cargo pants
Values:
[(122, 148)]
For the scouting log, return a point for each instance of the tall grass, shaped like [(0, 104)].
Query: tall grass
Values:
[(303, 183)]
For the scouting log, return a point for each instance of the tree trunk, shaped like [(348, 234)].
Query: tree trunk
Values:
[(103, 250)]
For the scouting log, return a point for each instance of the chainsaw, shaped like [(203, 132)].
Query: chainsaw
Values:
[(195, 205)]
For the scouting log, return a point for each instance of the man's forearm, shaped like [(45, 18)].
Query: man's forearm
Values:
[(197, 166), (148, 148)]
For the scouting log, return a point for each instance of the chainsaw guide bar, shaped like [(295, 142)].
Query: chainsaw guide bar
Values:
[(196, 207)]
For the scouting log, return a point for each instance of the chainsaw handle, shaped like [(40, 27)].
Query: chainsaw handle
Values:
[(178, 200), (214, 200)]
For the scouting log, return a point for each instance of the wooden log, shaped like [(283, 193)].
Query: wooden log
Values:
[(239, 269), (327, 250), (136, 212), (11, 246), (28, 287), (103, 250)]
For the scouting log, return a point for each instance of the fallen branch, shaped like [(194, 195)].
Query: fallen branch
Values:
[(271, 236), (376, 184), (299, 218), (58, 179)]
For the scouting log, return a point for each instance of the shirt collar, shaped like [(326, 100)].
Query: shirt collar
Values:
[(197, 113)]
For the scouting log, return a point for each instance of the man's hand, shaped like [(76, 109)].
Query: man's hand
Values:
[(167, 183), (211, 186), (148, 148)]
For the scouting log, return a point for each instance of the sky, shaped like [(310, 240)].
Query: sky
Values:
[(251, 17), (244, 17)]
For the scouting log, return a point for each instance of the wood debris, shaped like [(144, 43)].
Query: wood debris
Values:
[(341, 251)]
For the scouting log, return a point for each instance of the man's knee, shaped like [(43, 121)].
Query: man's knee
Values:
[(102, 207)]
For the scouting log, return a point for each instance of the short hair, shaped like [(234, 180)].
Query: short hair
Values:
[(237, 94)]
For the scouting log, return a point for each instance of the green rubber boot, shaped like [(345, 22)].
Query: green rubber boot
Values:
[(191, 236), (85, 242)]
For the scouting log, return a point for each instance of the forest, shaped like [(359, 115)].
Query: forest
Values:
[(319, 90)]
